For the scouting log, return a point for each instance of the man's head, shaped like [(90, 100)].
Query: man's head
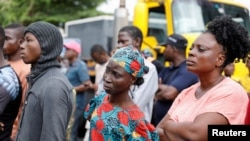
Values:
[(175, 44), (73, 49), (14, 37), (2, 37), (130, 35), (45, 40), (99, 54), (229, 70)]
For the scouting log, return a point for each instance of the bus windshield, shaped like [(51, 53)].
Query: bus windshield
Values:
[(193, 15)]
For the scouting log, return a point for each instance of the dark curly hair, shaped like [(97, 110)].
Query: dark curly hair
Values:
[(232, 36), (139, 81)]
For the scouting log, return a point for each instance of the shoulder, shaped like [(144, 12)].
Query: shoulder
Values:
[(230, 86), (55, 77), (151, 66), (9, 81)]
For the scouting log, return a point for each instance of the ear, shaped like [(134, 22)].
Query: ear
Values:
[(137, 43), (220, 60)]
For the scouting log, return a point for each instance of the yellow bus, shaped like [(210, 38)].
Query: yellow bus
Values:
[(159, 18)]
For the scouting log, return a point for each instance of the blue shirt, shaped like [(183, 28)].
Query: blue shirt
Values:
[(178, 77), (77, 73)]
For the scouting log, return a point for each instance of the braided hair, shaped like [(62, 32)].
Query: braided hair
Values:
[(232, 36)]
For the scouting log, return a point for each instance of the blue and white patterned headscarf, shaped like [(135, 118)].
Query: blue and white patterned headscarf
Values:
[(131, 60)]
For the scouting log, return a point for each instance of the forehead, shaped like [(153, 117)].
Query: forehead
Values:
[(9, 31), (28, 34), (124, 34), (114, 66), (206, 39)]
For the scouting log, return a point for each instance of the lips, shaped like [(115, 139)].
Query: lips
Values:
[(22, 55), (190, 62), (105, 86)]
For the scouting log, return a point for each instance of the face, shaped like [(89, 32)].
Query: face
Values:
[(70, 54), (229, 69), (124, 40), (12, 41), (30, 49), (116, 79), (168, 53), (205, 55), (99, 57)]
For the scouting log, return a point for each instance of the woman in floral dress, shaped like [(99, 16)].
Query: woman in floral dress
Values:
[(113, 115)]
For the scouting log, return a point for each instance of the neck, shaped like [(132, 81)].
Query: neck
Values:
[(178, 61), (206, 85), (14, 57), (123, 100)]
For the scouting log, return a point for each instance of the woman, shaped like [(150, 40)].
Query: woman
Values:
[(113, 114), (49, 99), (216, 99)]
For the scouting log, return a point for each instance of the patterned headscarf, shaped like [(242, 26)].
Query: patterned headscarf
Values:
[(131, 60)]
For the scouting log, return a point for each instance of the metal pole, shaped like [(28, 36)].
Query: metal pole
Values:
[(120, 20)]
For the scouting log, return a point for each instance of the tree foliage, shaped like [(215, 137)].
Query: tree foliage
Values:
[(53, 11)]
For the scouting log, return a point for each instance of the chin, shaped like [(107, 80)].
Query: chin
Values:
[(109, 92), (26, 61), (190, 69)]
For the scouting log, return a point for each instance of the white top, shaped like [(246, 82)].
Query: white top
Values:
[(143, 95), (99, 71)]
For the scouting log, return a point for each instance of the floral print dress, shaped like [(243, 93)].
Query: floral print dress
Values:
[(112, 123)]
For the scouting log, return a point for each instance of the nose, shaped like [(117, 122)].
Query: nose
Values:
[(191, 52), (106, 78), (22, 45)]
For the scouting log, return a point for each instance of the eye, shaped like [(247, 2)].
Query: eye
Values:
[(117, 75), (107, 70), (28, 39), (191, 48), (201, 48), (7, 38)]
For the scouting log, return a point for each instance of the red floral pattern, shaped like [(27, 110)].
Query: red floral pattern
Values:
[(123, 118)]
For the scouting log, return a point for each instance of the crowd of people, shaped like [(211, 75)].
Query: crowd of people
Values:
[(45, 95)]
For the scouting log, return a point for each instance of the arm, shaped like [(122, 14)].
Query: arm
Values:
[(177, 84), (83, 76), (7, 89), (83, 87), (166, 92), (195, 131), (57, 107), (160, 130)]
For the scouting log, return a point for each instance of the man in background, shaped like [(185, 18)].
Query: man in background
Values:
[(78, 76), (101, 57), (172, 79), (10, 94), (14, 34)]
